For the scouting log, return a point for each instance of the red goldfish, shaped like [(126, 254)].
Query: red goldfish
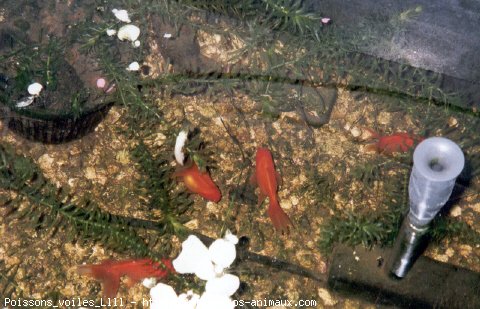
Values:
[(199, 182), (267, 180), (397, 142), (109, 272)]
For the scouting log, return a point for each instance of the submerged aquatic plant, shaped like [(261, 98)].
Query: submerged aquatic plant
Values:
[(357, 225), (158, 185), (7, 280), (283, 15), (352, 229), (52, 209), (448, 227), (295, 29)]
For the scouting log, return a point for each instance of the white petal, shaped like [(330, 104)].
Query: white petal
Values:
[(219, 270), (163, 297), (128, 32), (210, 300), (325, 20), (230, 237), (136, 43), (222, 253), (111, 32), (179, 143), (205, 271), (134, 66), (121, 15), (225, 285), (149, 282), (25, 102), (194, 258), (35, 88), (101, 83)]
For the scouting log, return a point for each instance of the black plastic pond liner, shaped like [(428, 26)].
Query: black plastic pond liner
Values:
[(429, 284), (360, 50), (426, 49), (58, 128), (440, 36)]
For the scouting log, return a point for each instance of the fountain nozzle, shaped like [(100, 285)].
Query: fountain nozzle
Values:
[(437, 162)]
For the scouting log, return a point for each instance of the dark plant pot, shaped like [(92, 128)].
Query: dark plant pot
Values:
[(64, 110), (55, 129)]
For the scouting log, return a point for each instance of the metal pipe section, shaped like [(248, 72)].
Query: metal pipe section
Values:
[(437, 162)]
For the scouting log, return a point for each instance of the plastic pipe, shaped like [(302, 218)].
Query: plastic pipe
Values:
[(437, 162)]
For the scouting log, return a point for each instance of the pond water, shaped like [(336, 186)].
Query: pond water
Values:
[(90, 170)]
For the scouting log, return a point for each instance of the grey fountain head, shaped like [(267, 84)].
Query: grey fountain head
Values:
[(437, 162)]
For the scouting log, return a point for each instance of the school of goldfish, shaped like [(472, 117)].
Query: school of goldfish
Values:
[(200, 182)]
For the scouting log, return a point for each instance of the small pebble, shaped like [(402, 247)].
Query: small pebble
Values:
[(465, 250), (456, 211), (356, 132), (327, 298), (90, 173), (294, 200), (452, 122), (449, 252), (286, 204)]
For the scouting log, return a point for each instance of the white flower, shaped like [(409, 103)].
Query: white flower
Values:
[(194, 258), (167, 35), (34, 89), (128, 32), (121, 15), (136, 43), (134, 66), (207, 264), (179, 143)]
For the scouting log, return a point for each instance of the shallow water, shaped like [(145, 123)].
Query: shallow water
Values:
[(267, 89)]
